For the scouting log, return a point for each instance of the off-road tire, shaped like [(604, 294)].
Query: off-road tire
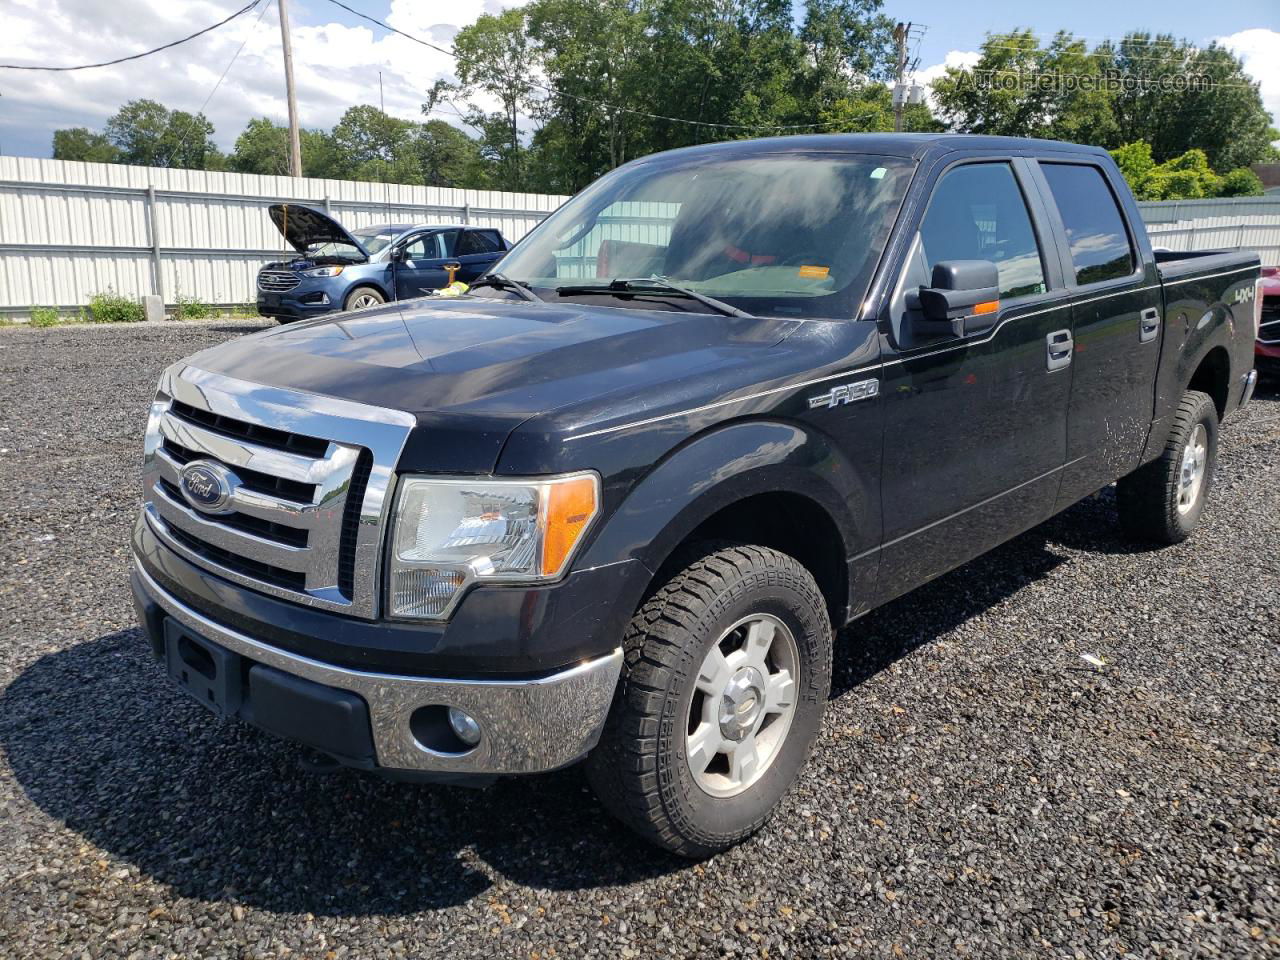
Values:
[(1148, 498), (639, 769)]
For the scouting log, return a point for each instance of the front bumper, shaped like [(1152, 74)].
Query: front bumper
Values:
[(295, 304), (528, 725)]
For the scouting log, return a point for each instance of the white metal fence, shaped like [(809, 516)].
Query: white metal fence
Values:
[(69, 230), (1248, 223)]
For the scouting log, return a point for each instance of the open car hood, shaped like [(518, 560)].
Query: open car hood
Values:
[(302, 226)]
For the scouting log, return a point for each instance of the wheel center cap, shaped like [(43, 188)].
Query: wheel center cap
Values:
[(741, 703)]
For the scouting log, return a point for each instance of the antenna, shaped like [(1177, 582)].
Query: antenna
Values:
[(386, 173)]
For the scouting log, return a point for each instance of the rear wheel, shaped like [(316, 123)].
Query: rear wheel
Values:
[(1161, 502), (727, 673), (361, 298)]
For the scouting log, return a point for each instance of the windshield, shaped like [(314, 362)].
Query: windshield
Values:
[(784, 235), (373, 241)]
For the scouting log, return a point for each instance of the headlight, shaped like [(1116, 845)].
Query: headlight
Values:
[(451, 533), (322, 272)]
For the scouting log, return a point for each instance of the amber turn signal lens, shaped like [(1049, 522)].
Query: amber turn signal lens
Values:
[(569, 507), (991, 306)]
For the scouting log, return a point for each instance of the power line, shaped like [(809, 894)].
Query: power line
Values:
[(136, 56), (601, 103), (236, 56)]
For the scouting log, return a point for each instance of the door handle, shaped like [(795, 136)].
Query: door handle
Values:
[(1059, 346), (1148, 324)]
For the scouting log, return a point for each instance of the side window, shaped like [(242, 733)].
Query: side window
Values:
[(978, 213), (420, 248), (476, 241), (448, 243), (1100, 248)]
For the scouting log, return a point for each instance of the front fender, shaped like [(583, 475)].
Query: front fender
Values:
[(724, 466)]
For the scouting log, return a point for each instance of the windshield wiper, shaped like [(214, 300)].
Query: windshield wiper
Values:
[(500, 282), (655, 284)]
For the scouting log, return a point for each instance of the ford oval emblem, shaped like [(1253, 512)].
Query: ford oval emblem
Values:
[(208, 486)]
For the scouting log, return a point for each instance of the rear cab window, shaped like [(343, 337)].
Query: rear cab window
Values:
[(1098, 239)]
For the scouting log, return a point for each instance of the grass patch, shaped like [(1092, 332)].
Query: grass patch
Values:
[(44, 316), (190, 308), (111, 307)]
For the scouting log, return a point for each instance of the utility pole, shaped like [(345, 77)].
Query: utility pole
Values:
[(295, 146), (900, 33)]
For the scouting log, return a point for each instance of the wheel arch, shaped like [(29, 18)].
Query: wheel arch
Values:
[(1212, 375), (772, 483)]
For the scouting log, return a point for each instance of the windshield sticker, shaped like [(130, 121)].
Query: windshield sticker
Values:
[(878, 173), (816, 273)]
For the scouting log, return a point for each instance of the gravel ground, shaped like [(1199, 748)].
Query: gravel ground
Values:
[(978, 789)]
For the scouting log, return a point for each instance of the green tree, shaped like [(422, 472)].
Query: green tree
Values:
[(1242, 182), (447, 157), (263, 147), (1186, 177), (1154, 89), (496, 57), (147, 133), (79, 143), (375, 146)]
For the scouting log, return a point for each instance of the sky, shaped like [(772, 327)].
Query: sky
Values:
[(338, 57)]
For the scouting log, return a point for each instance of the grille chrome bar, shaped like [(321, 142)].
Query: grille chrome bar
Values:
[(240, 453), (320, 550), (277, 281)]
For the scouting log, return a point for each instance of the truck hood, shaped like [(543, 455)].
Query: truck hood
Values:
[(471, 370), (302, 226)]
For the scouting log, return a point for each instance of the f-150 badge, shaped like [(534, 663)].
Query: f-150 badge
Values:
[(845, 393)]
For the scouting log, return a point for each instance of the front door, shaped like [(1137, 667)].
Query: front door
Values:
[(420, 268), (1116, 316), (975, 426)]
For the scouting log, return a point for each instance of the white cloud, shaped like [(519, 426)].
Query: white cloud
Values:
[(335, 65), (954, 58), (1260, 51)]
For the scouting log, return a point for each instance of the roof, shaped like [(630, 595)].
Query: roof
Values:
[(888, 144), (398, 228)]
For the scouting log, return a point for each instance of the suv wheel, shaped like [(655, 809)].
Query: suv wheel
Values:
[(727, 673), (362, 298), (1162, 501)]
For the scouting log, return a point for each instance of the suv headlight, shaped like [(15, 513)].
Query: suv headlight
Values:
[(450, 533), (322, 272)]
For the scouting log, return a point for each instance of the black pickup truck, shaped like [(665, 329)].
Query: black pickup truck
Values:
[(615, 502)]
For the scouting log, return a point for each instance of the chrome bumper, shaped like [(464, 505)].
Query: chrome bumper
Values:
[(527, 726), (1250, 383)]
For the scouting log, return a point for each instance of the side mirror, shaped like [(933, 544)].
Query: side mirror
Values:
[(397, 254), (963, 300)]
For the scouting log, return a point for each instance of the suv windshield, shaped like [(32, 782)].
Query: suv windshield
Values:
[(373, 242), (792, 235)]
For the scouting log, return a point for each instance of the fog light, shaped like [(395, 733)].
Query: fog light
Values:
[(465, 727)]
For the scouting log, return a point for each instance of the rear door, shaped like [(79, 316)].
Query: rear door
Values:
[(975, 426), (421, 267), (477, 251), (1116, 323)]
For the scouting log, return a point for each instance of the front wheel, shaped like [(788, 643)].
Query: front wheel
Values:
[(1161, 502), (727, 672), (361, 298)]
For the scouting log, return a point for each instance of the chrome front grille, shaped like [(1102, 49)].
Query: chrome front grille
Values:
[(313, 478), (1269, 327), (277, 281)]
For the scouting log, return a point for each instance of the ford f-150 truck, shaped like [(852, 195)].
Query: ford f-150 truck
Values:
[(615, 502)]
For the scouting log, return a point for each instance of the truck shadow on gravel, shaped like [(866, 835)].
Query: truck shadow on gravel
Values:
[(101, 741)]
